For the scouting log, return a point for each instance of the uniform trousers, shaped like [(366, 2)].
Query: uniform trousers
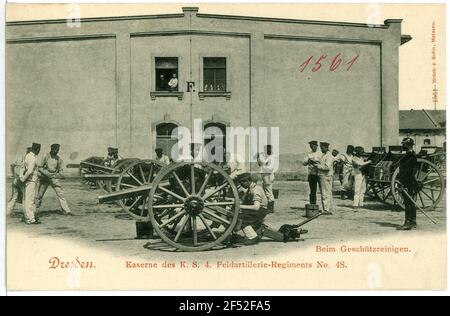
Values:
[(267, 179), (313, 180), (56, 185), (16, 196), (326, 191), (360, 190), (29, 206)]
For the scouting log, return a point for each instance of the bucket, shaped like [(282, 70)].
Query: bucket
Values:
[(311, 210), (276, 192)]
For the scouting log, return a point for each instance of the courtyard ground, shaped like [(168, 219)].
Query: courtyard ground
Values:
[(107, 227)]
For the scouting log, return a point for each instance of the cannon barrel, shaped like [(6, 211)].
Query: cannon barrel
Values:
[(121, 194), (86, 164), (99, 176)]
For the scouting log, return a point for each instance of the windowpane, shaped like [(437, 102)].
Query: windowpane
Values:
[(214, 62), (166, 62), (214, 74)]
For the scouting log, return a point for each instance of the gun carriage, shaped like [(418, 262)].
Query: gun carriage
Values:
[(382, 178), (192, 206)]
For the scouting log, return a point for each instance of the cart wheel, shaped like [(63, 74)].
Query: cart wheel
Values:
[(381, 191), (430, 183), (89, 170), (193, 206), (135, 174), (110, 185)]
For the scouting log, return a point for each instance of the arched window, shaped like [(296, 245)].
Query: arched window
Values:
[(217, 132), (164, 139)]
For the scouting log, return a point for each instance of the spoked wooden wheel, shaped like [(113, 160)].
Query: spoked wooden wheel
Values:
[(137, 173), (119, 166), (83, 170), (430, 183), (382, 191), (193, 206)]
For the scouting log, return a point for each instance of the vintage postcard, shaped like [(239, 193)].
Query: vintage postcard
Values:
[(225, 146)]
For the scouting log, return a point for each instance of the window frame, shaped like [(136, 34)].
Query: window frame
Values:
[(156, 93), (228, 77)]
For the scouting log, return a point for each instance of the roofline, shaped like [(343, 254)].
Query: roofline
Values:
[(205, 15), (99, 19), (285, 20)]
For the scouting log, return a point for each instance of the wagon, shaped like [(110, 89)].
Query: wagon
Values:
[(192, 206), (383, 183)]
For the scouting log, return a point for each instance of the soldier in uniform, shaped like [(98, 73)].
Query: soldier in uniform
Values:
[(313, 179), (50, 171), (347, 171), (29, 179), (161, 157), (252, 213), (267, 163), (406, 176), (360, 177), (325, 171), (17, 169)]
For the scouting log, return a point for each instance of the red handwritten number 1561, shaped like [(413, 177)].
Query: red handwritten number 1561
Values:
[(332, 65)]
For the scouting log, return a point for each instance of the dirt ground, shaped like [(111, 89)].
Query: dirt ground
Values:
[(107, 227)]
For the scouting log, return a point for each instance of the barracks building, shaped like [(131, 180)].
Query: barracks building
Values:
[(105, 82)]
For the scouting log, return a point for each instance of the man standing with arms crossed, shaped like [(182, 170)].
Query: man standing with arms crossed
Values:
[(29, 179), (313, 179), (50, 170)]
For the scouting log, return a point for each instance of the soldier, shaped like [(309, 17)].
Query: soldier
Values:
[(313, 179), (267, 163), (253, 211), (325, 172), (29, 179), (161, 157), (17, 169), (347, 171), (360, 178), (50, 171), (406, 176), (109, 157)]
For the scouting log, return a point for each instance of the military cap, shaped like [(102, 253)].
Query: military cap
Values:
[(324, 144), (313, 142), (35, 146), (246, 176), (408, 141), (158, 149), (110, 149), (359, 149), (55, 146), (29, 149)]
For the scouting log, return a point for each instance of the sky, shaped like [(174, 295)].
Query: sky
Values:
[(416, 64)]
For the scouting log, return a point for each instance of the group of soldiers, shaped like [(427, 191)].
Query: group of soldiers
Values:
[(31, 179), (321, 165)]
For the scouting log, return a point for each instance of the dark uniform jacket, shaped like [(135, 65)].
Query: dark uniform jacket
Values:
[(408, 169)]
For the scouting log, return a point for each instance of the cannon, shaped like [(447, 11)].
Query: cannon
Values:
[(383, 183), (97, 175), (192, 206)]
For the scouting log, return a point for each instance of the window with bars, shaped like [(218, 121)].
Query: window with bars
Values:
[(214, 74)]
